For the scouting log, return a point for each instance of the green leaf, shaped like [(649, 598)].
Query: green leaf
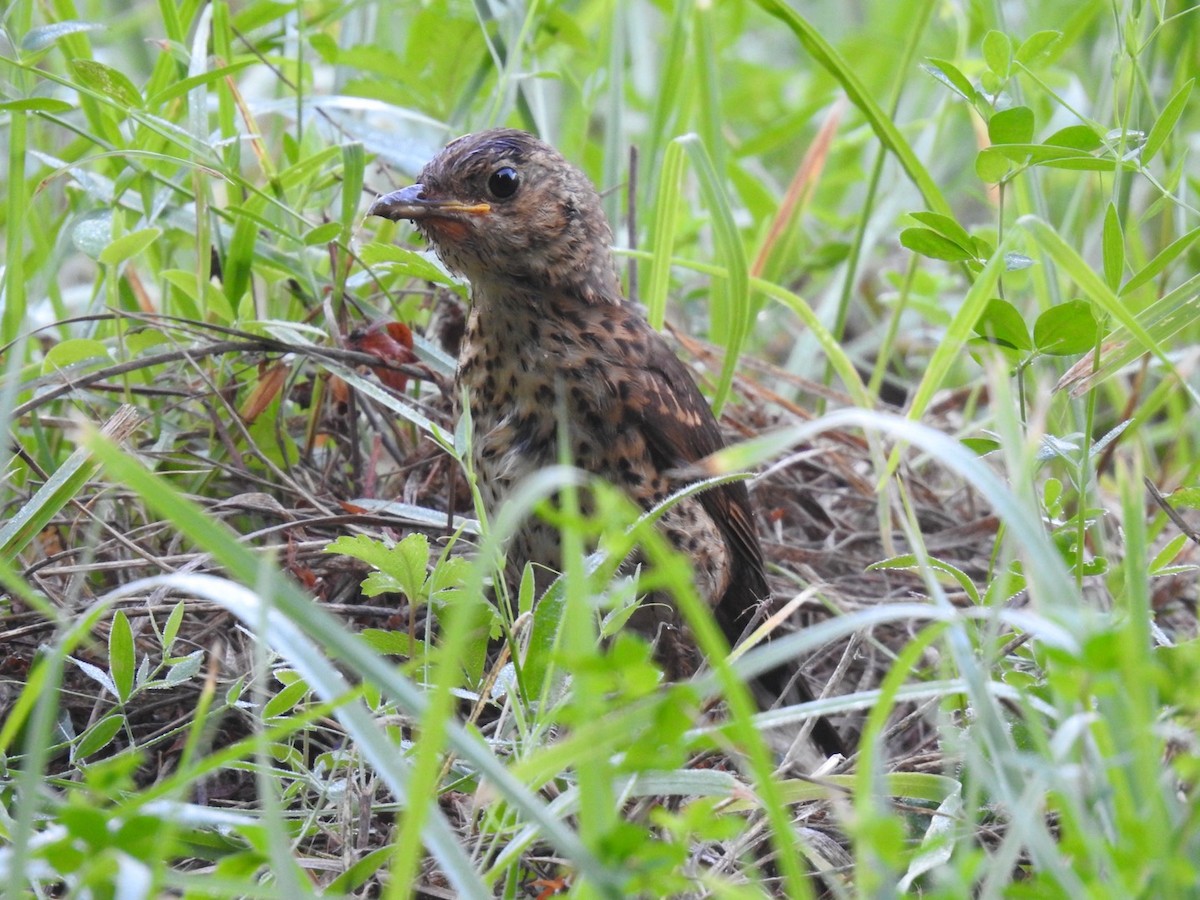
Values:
[(44, 35), (122, 661), (982, 349), (171, 629), (394, 643), (1081, 164), (992, 166), (1108, 437), (475, 649), (108, 81), (184, 85), (296, 176), (322, 234), (909, 562), (1037, 48), (360, 546), (1167, 554), (239, 258), (187, 668), (38, 104), (1001, 323), (1011, 126), (1037, 153), (543, 636), (945, 226), (980, 446), (354, 164), (957, 334), (929, 243), (360, 872), (377, 583), (1076, 137), (1113, 247), (526, 592), (997, 52), (325, 46), (1165, 257), (1166, 122), (87, 825), (139, 343), (128, 246), (1185, 497), (1052, 496), (448, 575), (98, 737), (405, 262), (75, 352), (251, 16), (92, 232), (409, 561), (214, 300), (285, 701), (405, 564), (1066, 329), (948, 74)]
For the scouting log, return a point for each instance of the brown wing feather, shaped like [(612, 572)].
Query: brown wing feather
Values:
[(680, 430)]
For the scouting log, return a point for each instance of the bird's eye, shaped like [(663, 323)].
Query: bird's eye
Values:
[(503, 183)]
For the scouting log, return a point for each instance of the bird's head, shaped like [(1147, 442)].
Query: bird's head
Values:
[(506, 210)]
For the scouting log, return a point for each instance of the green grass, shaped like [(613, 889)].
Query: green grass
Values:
[(994, 255)]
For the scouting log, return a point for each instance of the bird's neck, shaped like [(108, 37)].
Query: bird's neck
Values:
[(508, 296), (543, 326)]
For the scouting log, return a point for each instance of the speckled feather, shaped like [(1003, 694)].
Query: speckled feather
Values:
[(549, 329)]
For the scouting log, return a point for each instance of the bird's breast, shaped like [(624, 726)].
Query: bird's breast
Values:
[(521, 380), (527, 379)]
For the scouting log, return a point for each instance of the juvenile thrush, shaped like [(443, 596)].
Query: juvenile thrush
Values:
[(549, 329)]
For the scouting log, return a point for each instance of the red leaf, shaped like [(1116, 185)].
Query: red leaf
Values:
[(269, 384), (390, 342)]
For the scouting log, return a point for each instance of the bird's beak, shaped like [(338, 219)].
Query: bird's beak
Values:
[(411, 203)]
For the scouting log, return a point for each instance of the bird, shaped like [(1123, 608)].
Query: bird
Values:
[(550, 334)]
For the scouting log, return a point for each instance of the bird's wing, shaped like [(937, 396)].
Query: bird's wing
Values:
[(680, 430)]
